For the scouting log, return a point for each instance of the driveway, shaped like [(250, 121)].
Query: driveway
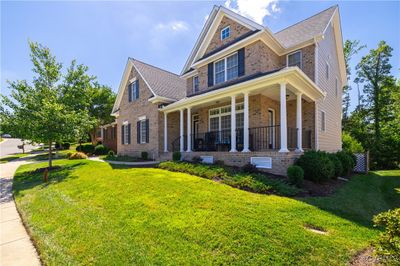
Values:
[(9, 146)]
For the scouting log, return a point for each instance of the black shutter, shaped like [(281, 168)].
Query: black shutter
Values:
[(138, 131), (241, 62), (137, 89), (129, 133), (130, 92), (211, 74), (122, 135), (147, 131)]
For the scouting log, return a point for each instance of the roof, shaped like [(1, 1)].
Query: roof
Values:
[(161, 82), (306, 29)]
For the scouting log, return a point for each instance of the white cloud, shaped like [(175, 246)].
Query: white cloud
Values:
[(175, 26), (254, 9)]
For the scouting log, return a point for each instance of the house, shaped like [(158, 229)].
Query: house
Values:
[(245, 94)]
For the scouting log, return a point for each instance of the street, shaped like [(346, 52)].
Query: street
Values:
[(10, 146)]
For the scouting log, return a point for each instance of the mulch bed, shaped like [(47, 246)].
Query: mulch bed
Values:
[(364, 258)]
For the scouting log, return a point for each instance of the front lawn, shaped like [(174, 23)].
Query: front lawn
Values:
[(96, 213), (10, 158)]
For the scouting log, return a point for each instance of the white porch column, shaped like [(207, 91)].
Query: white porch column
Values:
[(246, 123), (233, 124), (283, 118), (189, 137), (181, 140), (299, 122), (165, 133)]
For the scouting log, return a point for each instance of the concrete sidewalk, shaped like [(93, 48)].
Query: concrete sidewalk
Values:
[(16, 247)]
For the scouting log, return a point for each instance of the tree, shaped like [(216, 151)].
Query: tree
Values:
[(38, 111), (373, 71), (351, 47)]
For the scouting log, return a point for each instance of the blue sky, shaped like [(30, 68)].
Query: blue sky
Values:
[(102, 35)]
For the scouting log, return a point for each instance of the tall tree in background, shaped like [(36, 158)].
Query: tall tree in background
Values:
[(373, 71), (351, 47)]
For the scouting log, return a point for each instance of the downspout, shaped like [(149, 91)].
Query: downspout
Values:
[(316, 76)]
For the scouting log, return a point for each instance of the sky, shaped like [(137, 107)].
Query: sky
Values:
[(102, 34)]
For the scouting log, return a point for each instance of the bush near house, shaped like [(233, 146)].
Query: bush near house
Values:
[(337, 164), (296, 175), (387, 247), (101, 150), (253, 182), (86, 148), (176, 156), (317, 166), (348, 162), (145, 155)]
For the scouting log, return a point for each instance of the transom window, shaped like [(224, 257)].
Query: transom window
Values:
[(196, 84), (226, 68), (294, 59), (225, 33), (220, 118)]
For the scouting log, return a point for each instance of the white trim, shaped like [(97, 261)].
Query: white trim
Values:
[(140, 118), (273, 129), (219, 115), (316, 63), (229, 34), (143, 121), (301, 58), (283, 118), (160, 99), (165, 132), (225, 59), (132, 80), (125, 122)]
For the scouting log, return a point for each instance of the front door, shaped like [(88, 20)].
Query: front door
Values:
[(271, 128)]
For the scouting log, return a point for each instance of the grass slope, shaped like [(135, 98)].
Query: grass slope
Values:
[(91, 213)]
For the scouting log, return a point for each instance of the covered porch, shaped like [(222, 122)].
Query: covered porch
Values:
[(266, 114)]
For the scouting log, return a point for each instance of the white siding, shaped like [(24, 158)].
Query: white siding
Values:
[(330, 139)]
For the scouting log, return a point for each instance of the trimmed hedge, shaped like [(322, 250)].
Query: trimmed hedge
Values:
[(296, 175), (338, 167), (101, 150), (347, 161), (317, 166), (250, 182), (85, 148)]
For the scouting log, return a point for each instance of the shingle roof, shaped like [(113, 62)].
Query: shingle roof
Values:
[(306, 29), (162, 82)]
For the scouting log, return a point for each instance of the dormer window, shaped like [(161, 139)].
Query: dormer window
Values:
[(294, 59), (225, 33), (196, 84)]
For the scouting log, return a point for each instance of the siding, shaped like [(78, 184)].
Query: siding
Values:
[(330, 140)]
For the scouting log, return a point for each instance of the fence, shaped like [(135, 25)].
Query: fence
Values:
[(362, 162)]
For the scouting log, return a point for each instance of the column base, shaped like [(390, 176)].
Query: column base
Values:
[(283, 150), (299, 150), (233, 150), (188, 151), (246, 150)]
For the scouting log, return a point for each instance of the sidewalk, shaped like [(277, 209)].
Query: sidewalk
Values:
[(16, 247)]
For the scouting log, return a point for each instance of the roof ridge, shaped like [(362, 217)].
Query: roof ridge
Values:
[(307, 18), (159, 68)]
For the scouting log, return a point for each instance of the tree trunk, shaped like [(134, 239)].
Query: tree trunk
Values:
[(50, 155), (92, 134)]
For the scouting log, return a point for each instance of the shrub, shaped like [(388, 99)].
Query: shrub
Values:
[(350, 144), (387, 247), (347, 161), (62, 145), (176, 156), (111, 153), (144, 155), (316, 165), (249, 168), (85, 148), (296, 175), (337, 164), (77, 155), (101, 150)]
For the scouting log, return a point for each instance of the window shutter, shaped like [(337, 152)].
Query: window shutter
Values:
[(147, 131), (241, 62), (130, 92), (138, 131), (210, 74), (129, 133), (137, 89), (122, 135)]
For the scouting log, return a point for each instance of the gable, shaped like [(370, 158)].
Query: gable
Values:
[(236, 30)]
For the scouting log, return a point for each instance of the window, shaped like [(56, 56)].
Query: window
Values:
[(196, 84), (323, 122), (226, 68), (336, 87), (294, 59), (143, 131), (327, 70), (133, 90), (126, 134), (225, 33), (220, 118)]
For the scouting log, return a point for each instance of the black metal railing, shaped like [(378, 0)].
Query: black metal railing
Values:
[(260, 139)]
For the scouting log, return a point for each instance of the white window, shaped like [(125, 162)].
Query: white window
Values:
[(220, 118), (225, 33), (126, 134), (327, 70), (294, 59), (226, 68), (143, 131), (196, 84), (323, 121)]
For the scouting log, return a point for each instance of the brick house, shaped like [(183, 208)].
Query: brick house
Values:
[(245, 94)]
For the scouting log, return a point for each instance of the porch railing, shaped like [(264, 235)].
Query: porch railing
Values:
[(260, 139)]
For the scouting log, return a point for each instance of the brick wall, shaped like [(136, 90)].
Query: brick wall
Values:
[(110, 137)]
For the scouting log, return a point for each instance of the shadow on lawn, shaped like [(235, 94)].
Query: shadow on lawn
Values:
[(33, 178), (361, 198)]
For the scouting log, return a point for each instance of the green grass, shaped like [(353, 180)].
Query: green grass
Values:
[(123, 158), (92, 213), (10, 158)]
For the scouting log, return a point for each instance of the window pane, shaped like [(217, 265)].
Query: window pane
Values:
[(143, 131), (219, 71), (225, 122), (232, 67), (239, 120), (294, 59), (225, 33), (196, 84), (214, 124)]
